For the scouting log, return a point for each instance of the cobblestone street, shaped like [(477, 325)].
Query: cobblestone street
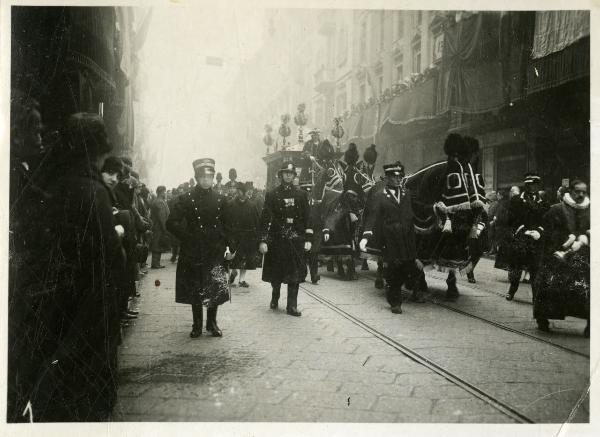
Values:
[(340, 361)]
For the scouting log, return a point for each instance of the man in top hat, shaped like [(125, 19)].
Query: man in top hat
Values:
[(312, 145), (285, 235), (525, 217), (390, 224), (199, 221)]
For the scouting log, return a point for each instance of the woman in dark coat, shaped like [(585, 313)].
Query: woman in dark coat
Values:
[(563, 283), (244, 233), (77, 329)]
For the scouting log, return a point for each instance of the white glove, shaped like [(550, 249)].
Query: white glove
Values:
[(326, 237), (263, 248), (363, 245), (228, 255), (583, 239), (569, 241), (353, 217), (576, 246), (480, 228), (441, 207), (307, 245), (120, 230), (534, 234), (419, 264)]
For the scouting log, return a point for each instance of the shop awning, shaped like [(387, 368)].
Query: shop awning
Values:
[(418, 103), (556, 30)]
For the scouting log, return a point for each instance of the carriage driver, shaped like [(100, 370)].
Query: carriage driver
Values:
[(390, 227), (285, 235)]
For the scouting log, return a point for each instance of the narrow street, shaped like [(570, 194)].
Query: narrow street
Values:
[(349, 359)]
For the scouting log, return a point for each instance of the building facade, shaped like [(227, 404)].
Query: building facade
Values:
[(404, 79)]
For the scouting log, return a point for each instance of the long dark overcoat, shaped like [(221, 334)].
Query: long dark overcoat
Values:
[(391, 226), (284, 221), (244, 218), (562, 288), (76, 330), (198, 220)]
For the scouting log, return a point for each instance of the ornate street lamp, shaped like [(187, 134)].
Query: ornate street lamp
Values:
[(337, 132), (268, 139), (300, 119), (284, 129)]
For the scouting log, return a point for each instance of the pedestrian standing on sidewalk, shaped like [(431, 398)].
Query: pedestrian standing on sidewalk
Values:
[(285, 236), (526, 217), (391, 221), (563, 284), (78, 319), (199, 221), (160, 238), (244, 233)]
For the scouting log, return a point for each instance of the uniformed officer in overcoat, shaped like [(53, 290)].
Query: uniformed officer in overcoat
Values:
[(199, 221), (526, 218), (285, 236), (391, 223)]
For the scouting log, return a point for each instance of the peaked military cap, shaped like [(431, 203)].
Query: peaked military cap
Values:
[(531, 177), (204, 165), (395, 169)]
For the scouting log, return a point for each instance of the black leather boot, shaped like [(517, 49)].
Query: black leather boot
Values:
[(543, 325), (275, 296), (292, 300), (365, 265), (514, 286), (351, 272), (471, 278), (211, 322), (197, 317), (340, 269), (452, 290)]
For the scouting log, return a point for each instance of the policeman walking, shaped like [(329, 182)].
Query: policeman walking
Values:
[(526, 218), (198, 220), (285, 236), (390, 227)]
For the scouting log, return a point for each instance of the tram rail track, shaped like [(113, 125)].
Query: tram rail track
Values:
[(494, 323), (499, 405)]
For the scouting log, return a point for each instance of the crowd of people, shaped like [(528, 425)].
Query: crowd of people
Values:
[(83, 227), (84, 230)]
